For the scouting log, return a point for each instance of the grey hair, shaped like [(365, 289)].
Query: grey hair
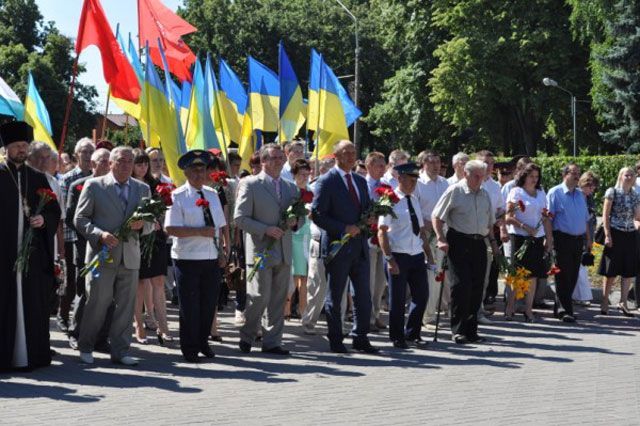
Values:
[(117, 152), (37, 146), (461, 156), (397, 155), (99, 153), (264, 151), (473, 165), (82, 143)]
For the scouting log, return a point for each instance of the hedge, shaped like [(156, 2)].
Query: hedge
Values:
[(606, 167)]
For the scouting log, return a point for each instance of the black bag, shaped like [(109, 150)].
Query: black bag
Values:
[(598, 237), (587, 259)]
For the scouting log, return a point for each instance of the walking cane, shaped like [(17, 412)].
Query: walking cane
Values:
[(440, 278)]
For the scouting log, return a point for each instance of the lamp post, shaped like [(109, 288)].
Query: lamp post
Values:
[(552, 83), (356, 73)]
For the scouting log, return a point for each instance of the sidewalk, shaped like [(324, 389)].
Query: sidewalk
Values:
[(543, 373)]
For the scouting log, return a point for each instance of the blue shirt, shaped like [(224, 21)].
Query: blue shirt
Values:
[(569, 209)]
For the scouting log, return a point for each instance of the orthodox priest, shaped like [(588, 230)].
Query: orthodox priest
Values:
[(24, 296)]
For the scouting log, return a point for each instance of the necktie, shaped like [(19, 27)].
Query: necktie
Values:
[(208, 219), (122, 195), (276, 183), (415, 226), (352, 191)]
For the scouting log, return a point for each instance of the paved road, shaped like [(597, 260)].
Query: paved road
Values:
[(543, 373)]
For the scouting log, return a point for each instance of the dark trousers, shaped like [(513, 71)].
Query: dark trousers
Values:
[(492, 284), (353, 263), (414, 273), (70, 293), (198, 283), (568, 254), (467, 266)]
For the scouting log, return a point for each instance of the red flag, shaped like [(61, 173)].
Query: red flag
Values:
[(94, 29), (156, 21)]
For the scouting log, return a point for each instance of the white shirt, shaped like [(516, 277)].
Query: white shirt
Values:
[(532, 210), (454, 179), (506, 189), (428, 192), (389, 179), (286, 173), (400, 232), (185, 213), (165, 179), (493, 188), (55, 187), (343, 174)]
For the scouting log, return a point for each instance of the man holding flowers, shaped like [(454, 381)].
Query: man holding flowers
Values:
[(30, 218)]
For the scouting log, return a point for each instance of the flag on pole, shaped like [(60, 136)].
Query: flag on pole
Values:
[(314, 88), (215, 111), (264, 94), (94, 29), (10, 102), (292, 108), (37, 116), (232, 98), (200, 132), (156, 21), (247, 145)]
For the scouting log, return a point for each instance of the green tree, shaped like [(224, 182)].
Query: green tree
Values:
[(28, 44)]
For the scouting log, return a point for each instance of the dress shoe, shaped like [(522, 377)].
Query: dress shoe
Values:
[(192, 358), (244, 346), (163, 338), (73, 343), (476, 339), (208, 352), (568, 318), (215, 338), (125, 360), (339, 348), (625, 311), (86, 357), (277, 350), (363, 345), (459, 339), (142, 340), (62, 324), (103, 347), (400, 344), (418, 342)]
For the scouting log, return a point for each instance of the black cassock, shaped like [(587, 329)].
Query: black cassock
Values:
[(37, 283)]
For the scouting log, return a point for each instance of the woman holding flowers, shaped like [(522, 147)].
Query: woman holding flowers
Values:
[(620, 213), (531, 235)]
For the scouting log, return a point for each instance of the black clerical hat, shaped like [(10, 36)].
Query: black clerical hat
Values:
[(196, 157), (15, 131), (410, 169)]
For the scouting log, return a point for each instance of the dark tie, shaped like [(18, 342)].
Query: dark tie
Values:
[(414, 219), (208, 219), (122, 195), (352, 191)]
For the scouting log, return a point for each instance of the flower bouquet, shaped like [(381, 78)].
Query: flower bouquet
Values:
[(288, 218), (219, 179), (382, 207), (149, 210), (147, 242), (519, 255), (46, 196), (516, 277)]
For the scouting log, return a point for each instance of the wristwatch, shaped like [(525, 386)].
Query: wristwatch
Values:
[(388, 258)]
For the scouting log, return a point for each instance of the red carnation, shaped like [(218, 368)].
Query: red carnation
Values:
[(373, 228), (546, 213), (440, 276), (201, 202), (521, 206), (306, 196), (57, 270), (164, 190), (219, 178), (79, 187), (554, 270), (46, 194)]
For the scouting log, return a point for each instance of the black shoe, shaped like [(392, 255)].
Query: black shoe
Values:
[(244, 346), (476, 339), (418, 342), (363, 345), (459, 339), (63, 324), (276, 351), (400, 344), (193, 358), (568, 318), (216, 338), (207, 352), (103, 347), (73, 343), (338, 348)]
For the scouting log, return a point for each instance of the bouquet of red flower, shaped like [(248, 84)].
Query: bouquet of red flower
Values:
[(219, 179), (546, 214), (22, 261), (149, 210), (382, 207), (147, 242), (79, 187), (288, 219), (163, 191)]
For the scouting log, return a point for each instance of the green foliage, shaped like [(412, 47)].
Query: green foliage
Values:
[(27, 44)]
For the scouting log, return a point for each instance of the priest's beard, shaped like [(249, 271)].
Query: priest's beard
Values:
[(18, 159)]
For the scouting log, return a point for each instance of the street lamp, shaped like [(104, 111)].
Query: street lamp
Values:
[(549, 82), (356, 73)]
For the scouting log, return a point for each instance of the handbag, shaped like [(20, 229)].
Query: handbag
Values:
[(234, 273), (598, 237)]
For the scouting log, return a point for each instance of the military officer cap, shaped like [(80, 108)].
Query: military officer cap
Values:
[(196, 157), (15, 131), (409, 168)]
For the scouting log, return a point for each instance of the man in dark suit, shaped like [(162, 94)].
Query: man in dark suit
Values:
[(341, 198)]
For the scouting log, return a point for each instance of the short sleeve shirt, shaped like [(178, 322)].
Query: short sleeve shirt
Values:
[(623, 208), (466, 211), (532, 210)]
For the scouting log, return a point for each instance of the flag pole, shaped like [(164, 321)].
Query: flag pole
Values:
[(217, 108), (106, 112), (317, 134), (67, 113)]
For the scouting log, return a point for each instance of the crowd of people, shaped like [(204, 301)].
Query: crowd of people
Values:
[(293, 237)]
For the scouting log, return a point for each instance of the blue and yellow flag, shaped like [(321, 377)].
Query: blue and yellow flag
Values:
[(215, 110), (264, 94), (184, 101), (232, 99), (37, 116), (335, 113), (292, 107), (200, 132), (313, 105)]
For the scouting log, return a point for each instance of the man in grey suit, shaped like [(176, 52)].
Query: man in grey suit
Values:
[(259, 205), (105, 203)]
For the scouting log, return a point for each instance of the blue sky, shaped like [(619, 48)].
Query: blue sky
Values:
[(66, 15)]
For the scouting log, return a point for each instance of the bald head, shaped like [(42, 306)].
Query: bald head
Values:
[(345, 153)]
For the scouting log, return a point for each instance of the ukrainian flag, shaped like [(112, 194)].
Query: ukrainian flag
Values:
[(185, 100), (313, 105), (215, 111), (232, 99), (335, 113), (10, 102), (200, 132), (292, 108), (264, 95), (158, 111), (37, 116)]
